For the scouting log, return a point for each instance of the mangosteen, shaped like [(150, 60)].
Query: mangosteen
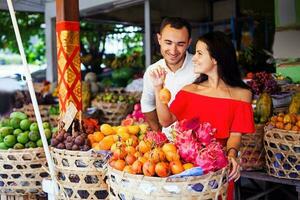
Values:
[(54, 142), (69, 145), (61, 146), (79, 140), (75, 147)]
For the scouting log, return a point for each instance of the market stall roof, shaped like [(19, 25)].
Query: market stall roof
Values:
[(132, 12), (127, 11)]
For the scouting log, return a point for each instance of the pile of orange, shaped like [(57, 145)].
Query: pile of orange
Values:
[(108, 135), (145, 158)]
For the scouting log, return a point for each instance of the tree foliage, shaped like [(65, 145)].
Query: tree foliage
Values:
[(30, 26)]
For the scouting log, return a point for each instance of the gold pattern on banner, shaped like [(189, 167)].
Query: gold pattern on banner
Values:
[(69, 74)]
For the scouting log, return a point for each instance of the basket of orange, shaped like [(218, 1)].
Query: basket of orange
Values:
[(150, 167), (281, 142)]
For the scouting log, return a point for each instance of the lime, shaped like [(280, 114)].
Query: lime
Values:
[(39, 143), (48, 133), (4, 122), (4, 131), (1, 138), (46, 125), (30, 144), (25, 124), (23, 138), (10, 140), (34, 127), (17, 132), (54, 129), (34, 136), (3, 146), (15, 123), (18, 146)]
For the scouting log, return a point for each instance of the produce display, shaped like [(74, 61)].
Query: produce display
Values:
[(75, 138), (137, 150), (112, 97), (263, 82), (286, 121), (19, 132)]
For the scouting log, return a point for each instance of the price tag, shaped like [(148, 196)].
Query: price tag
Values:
[(69, 115)]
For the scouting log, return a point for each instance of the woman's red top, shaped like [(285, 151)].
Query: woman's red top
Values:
[(226, 115)]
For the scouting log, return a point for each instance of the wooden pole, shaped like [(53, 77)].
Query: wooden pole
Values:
[(68, 54)]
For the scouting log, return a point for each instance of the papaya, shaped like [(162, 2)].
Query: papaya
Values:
[(19, 115), (264, 107), (294, 107)]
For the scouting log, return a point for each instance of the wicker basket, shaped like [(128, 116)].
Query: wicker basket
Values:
[(17, 197), (80, 174), (113, 113), (252, 149), (282, 153), (127, 186), (22, 171)]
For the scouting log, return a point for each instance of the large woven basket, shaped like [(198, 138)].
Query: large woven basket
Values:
[(18, 197), (22, 171), (113, 113), (282, 153), (127, 186), (252, 149), (80, 174)]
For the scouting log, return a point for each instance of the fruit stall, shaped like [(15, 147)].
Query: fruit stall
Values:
[(271, 155), (115, 155)]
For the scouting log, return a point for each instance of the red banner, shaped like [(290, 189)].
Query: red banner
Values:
[(68, 68)]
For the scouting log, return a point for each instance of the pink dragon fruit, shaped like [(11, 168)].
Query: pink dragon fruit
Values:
[(196, 144), (137, 106), (211, 158), (156, 137), (205, 133), (187, 145), (192, 124), (137, 114)]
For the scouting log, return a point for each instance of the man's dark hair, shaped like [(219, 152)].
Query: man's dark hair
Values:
[(177, 23)]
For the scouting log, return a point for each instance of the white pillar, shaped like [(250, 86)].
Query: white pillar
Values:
[(147, 36)]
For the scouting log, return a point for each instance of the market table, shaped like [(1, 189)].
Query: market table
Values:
[(262, 176)]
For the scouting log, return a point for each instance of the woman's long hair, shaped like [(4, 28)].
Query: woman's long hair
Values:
[(222, 50)]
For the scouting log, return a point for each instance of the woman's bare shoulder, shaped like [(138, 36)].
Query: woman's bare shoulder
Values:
[(242, 94), (190, 87)]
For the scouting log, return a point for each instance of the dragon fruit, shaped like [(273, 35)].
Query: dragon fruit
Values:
[(187, 145), (196, 144), (137, 114), (157, 137), (211, 158), (205, 133)]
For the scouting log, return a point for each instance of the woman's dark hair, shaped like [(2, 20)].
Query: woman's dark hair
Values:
[(177, 23), (222, 50)]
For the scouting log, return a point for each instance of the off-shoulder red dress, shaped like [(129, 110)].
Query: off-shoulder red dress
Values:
[(226, 115)]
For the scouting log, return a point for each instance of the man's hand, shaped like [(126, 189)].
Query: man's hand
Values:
[(158, 76)]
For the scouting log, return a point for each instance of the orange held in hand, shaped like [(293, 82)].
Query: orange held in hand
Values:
[(164, 95)]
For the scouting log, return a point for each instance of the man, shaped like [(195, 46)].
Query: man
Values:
[(174, 39)]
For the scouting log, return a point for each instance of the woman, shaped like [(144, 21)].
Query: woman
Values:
[(218, 96)]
